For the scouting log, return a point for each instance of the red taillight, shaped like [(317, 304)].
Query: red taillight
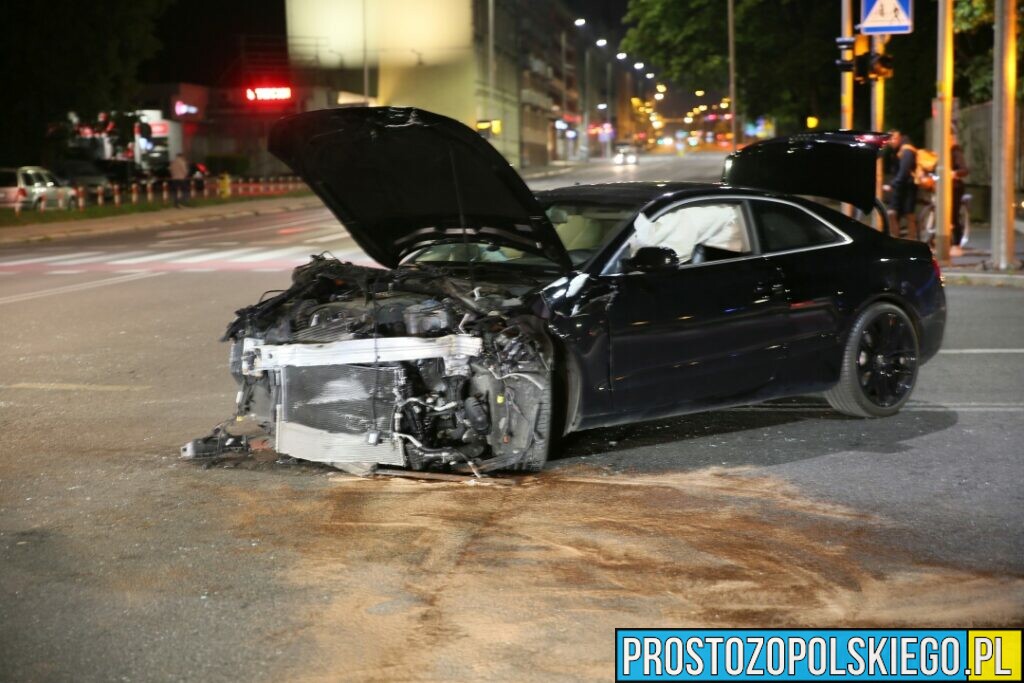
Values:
[(937, 269), (22, 194)]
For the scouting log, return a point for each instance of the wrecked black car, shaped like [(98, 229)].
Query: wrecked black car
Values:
[(504, 319)]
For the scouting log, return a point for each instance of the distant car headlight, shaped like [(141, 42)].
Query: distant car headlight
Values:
[(631, 159), (619, 158)]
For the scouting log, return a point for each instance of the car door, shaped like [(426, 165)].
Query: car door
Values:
[(704, 333), (811, 255)]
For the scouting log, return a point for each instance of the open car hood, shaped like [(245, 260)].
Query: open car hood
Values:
[(401, 179), (838, 165)]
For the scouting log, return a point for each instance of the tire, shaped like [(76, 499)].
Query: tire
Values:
[(879, 368)]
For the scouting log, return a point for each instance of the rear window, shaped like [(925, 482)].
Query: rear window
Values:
[(782, 227), (8, 179)]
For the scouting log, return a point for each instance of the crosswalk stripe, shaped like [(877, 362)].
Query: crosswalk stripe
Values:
[(269, 255), (214, 255), (48, 259), (102, 257), (166, 255)]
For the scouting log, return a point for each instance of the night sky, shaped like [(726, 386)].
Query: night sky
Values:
[(200, 38)]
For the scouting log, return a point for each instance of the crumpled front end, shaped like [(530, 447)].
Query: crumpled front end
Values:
[(360, 368)]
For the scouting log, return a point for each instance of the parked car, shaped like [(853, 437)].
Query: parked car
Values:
[(86, 175), (25, 187), (503, 319)]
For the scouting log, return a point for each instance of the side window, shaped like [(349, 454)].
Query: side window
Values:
[(782, 227), (696, 232)]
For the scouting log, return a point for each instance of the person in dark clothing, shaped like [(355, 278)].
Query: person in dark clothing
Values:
[(960, 172), (902, 190)]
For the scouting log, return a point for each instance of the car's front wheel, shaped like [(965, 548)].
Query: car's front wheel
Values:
[(879, 364)]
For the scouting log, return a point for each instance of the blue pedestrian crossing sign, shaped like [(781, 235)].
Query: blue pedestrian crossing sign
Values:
[(878, 17)]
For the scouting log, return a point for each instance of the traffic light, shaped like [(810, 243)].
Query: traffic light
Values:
[(880, 66), (859, 62)]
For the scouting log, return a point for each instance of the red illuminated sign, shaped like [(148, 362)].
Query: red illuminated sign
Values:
[(268, 94)]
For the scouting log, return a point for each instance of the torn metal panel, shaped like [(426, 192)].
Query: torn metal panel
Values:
[(257, 356)]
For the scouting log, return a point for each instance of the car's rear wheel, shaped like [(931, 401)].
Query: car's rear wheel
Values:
[(879, 364)]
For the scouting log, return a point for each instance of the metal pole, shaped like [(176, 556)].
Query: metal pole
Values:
[(366, 63), (943, 128), (1004, 84), (732, 72), (608, 101), (585, 144), (846, 84), (565, 97), (878, 123), (846, 77)]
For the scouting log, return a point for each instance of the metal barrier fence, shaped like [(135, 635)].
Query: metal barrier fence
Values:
[(163, 192)]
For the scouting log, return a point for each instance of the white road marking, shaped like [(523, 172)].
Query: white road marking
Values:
[(210, 256), (974, 351), (53, 386), (269, 255), (164, 255), (68, 289), (65, 272), (198, 270), (103, 257), (48, 259)]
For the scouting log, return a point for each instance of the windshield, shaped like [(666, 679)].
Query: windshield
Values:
[(582, 229)]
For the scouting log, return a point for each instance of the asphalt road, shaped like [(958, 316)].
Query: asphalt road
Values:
[(120, 562)]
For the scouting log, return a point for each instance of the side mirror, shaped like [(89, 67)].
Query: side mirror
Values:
[(652, 259)]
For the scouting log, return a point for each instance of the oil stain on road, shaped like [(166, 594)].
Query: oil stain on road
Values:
[(432, 580)]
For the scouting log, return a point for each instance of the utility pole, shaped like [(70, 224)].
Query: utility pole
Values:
[(878, 122), (846, 85), (943, 128), (1004, 84), (846, 77), (732, 73)]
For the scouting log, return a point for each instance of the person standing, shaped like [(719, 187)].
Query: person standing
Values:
[(179, 179), (960, 172), (903, 191)]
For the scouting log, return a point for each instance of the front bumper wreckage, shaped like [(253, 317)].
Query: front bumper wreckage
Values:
[(472, 395)]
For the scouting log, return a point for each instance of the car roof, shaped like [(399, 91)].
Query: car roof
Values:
[(638, 193)]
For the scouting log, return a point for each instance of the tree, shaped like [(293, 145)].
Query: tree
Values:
[(785, 52), (69, 56)]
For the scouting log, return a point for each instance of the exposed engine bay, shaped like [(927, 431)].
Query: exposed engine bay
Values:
[(417, 368)]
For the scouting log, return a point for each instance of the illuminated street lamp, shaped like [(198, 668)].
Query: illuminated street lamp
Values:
[(601, 42), (602, 105), (699, 93), (649, 75), (620, 56), (659, 95), (580, 22), (661, 88), (639, 66), (703, 107)]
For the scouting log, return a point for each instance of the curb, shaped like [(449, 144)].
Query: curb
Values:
[(983, 279), (137, 227)]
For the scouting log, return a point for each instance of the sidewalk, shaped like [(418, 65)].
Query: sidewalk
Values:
[(152, 219), (970, 269)]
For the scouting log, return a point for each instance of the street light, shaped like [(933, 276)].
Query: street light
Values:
[(639, 66), (602, 105), (699, 93), (649, 75), (580, 22), (601, 42), (620, 56), (659, 95), (661, 87)]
